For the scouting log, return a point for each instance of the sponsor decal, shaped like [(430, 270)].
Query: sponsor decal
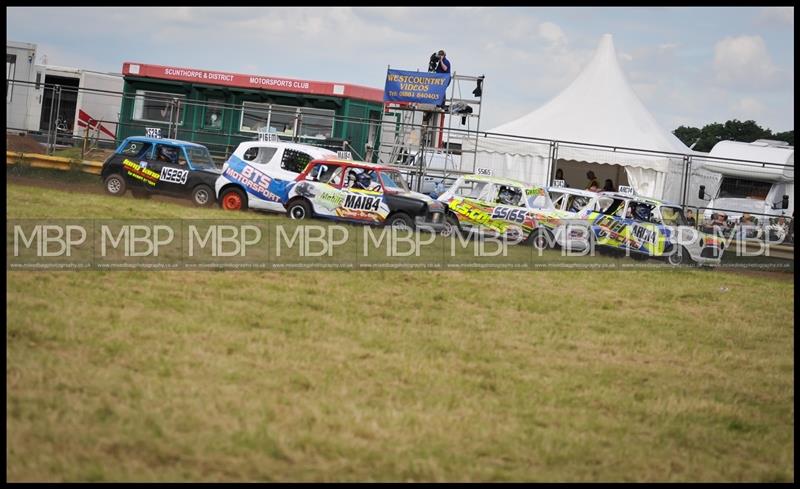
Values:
[(174, 175), (510, 214), (140, 172), (467, 211), (255, 182), (362, 202), (333, 198)]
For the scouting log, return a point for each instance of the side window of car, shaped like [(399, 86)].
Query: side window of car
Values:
[(295, 161), (173, 155), (266, 154), (250, 154), (136, 149)]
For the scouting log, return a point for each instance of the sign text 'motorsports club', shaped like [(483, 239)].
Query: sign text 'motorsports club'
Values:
[(252, 81)]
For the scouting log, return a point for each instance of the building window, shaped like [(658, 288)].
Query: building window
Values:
[(212, 118), (11, 72), (316, 123), (280, 119), (158, 107)]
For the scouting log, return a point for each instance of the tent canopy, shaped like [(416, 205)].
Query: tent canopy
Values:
[(599, 107)]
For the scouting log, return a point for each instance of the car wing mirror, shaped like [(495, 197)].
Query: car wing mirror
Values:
[(783, 204)]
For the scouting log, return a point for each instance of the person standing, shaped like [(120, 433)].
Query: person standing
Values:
[(592, 181)]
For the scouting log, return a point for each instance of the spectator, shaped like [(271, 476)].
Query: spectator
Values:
[(690, 220), (560, 176), (608, 186), (592, 181)]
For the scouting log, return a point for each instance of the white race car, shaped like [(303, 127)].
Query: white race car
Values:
[(257, 173)]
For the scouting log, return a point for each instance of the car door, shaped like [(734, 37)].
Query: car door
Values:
[(170, 164), (509, 214), (131, 161), (362, 203)]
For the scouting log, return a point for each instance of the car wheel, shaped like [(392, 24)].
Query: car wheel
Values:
[(233, 199), (451, 226), (203, 196), (299, 209), (539, 239), (115, 185), (400, 221), (679, 257)]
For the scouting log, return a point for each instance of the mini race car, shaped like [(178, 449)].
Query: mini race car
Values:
[(150, 166), (648, 228), (256, 174), (510, 208), (360, 192)]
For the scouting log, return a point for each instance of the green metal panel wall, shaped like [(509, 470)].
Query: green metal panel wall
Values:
[(221, 142)]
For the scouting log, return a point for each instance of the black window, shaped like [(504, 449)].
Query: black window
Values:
[(295, 161), (136, 149)]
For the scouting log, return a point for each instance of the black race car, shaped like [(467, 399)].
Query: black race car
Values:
[(146, 165)]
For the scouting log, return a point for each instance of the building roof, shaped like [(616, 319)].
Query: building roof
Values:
[(258, 82)]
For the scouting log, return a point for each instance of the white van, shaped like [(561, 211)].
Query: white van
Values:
[(256, 174)]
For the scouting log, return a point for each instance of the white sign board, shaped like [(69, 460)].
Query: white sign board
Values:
[(345, 155), (484, 171), (624, 189), (153, 132), (559, 183)]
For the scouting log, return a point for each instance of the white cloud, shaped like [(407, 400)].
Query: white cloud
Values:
[(777, 15), (747, 108), (744, 61), (552, 33)]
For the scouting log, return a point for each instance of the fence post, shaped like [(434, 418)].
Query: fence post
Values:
[(687, 166)]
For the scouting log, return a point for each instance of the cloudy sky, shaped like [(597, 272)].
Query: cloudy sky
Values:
[(688, 65)]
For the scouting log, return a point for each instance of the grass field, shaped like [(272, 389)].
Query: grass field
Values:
[(682, 375)]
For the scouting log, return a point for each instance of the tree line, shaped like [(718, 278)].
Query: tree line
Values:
[(734, 130)]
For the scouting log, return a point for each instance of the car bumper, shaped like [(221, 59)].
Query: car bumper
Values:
[(434, 222)]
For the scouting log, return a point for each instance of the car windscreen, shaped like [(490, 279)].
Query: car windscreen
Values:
[(672, 216), (200, 158), (393, 180)]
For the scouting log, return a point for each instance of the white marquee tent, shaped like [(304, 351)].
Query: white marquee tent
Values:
[(600, 108)]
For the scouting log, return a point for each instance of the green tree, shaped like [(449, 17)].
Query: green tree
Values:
[(734, 130)]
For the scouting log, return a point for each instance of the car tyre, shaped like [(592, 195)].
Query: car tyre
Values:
[(299, 209), (233, 199), (539, 239), (203, 196), (400, 221), (680, 258), (451, 226), (115, 185)]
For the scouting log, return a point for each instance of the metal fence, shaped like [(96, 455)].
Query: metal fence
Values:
[(59, 127)]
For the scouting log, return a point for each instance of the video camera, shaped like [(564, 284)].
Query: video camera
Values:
[(433, 62)]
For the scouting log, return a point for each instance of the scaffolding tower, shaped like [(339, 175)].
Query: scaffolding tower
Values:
[(434, 144)]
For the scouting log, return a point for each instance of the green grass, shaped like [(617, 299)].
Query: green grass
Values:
[(472, 376)]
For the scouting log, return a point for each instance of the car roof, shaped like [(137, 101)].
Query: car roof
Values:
[(499, 180), (640, 198), (245, 145), (571, 190), (358, 164), (176, 142)]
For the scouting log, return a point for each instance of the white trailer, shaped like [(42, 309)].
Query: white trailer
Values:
[(90, 100), (763, 184)]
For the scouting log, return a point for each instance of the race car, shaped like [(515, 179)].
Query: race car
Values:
[(648, 228), (148, 166), (257, 172), (360, 192), (510, 208)]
